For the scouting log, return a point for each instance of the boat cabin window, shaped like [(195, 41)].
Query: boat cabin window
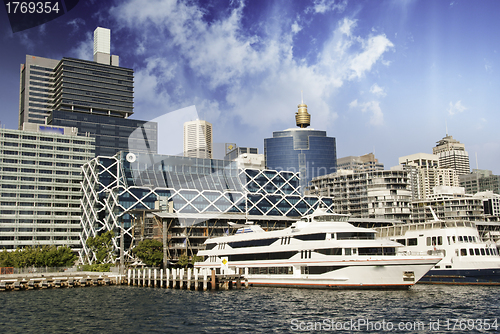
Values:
[(412, 242), (460, 238), (210, 246), (477, 251), (401, 241), (433, 241), (377, 251), (453, 238), (313, 236), (488, 251), (483, 252), (355, 235), (463, 252), (348, 251), (252, 243), (471, 251), (329, 251)]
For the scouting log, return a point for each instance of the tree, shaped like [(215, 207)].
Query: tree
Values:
[(101, 245), (150, 252)]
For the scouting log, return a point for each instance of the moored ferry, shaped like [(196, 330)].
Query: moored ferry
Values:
[(466, 258), (322, 250)]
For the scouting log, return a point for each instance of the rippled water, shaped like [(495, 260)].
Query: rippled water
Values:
[(123, 309)]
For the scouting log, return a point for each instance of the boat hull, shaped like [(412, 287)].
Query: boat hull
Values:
[(462, 276), (370, 274)]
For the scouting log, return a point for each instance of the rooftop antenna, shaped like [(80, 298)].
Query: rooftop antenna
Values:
[(446, 124), (477, 164), (302, 96)]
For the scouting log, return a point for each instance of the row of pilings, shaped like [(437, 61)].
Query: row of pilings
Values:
[(181, 278)]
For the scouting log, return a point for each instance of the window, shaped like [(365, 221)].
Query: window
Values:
[(412, 242)]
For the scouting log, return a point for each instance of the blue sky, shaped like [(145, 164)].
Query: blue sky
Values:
[(383, 76)]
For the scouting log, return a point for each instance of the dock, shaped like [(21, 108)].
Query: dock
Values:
[(189, 279), (175, 278), (16, 282)]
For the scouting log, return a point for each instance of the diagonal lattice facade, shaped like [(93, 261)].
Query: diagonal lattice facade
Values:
[(119, 187)]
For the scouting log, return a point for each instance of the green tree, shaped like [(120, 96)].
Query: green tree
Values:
[(102, 246), (150, 252), (183, 260)]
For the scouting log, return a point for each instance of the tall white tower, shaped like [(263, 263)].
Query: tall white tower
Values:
[(102, 47), (198, 139)]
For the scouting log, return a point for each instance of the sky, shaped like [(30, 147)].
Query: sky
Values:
[(389, 77)]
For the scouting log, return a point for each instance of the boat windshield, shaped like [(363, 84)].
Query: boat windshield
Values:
[(331, 218)]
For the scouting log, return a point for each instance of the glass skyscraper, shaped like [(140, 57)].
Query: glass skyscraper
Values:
[(306, 151)]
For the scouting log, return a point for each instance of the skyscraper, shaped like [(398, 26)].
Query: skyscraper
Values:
[(452, 154), (307, 151), (198, 139), (96, 96)]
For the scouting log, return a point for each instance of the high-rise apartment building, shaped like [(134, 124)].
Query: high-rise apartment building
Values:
[(40, 192), (364, 163), (452, 154), (429, 174), (379, 194), (306, 151), (94, 96), (198, 139)]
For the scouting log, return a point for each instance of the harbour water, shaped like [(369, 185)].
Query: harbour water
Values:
[(125, 309)]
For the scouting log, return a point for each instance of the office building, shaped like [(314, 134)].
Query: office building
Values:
[(40, 191), (378, 194), (452, 154), (94, 96), (306, 151), (194, 197), (364, 163), (480, 180), (198, 139), (36, 89)]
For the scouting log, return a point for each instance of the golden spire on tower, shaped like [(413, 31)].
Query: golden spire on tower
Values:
[(302, 117)]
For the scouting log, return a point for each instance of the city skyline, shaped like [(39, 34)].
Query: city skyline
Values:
[(386, 77)]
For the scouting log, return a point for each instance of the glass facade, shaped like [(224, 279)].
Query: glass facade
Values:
[(309, 152), (116, 188), (87, 86), (112, 134)]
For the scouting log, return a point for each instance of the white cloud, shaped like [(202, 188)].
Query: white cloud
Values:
[(377, 90), (75, 24), (255, 77), (458, 107), (296, 27), (85, 49), (373, 50), (373, 107), (323, 6)]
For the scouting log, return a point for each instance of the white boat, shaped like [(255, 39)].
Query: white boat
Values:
[(466, 258), (322, 250)]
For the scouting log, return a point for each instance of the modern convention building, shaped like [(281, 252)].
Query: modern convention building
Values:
[(94, 96), (306, 151), (187, 199), (40, 193)]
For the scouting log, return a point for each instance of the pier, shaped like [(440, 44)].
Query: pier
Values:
[(15, 282), (188, 279)]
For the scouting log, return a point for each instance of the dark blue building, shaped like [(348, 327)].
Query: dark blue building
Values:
[(307, 151)]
